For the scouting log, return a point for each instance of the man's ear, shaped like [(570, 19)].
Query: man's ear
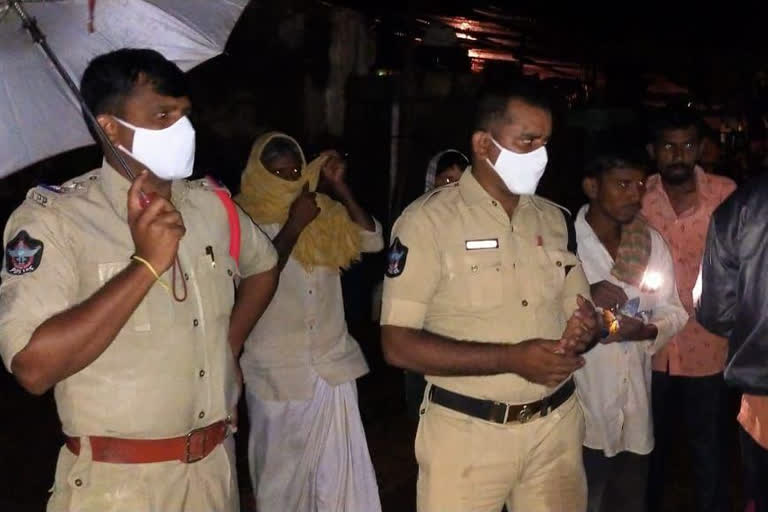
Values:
[(651, 151), (590, 187), (110, 126), (481, 145)]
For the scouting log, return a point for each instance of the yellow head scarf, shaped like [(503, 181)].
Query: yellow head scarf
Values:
[(331, 240)]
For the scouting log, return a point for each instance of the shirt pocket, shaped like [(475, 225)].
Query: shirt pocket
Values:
[(476, 278), (216, 280), (155, 312), (553, 266)]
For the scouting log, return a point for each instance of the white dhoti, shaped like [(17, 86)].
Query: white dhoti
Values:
[(311, 456)]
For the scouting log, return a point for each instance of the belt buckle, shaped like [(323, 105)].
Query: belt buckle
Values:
[(525, 414), (189, 457), (505, 418)]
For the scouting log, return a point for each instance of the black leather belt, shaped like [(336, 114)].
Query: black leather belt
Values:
[(500, 412)]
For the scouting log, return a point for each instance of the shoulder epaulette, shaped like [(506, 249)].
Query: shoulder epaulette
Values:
[(210, 184), (428, 196), (552, 203), (45, 195)]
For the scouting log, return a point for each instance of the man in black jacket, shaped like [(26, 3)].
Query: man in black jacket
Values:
[(734, 304)]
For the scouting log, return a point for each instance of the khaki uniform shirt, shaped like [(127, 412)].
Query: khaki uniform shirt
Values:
[(170, 369), (303, 332), (522, 285)]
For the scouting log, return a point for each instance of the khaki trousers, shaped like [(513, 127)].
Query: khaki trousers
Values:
[(471, 465)]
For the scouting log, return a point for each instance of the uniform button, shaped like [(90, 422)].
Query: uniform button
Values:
[(559, 263), (201, 415), (229, 273), (186, 276), (494, 203), (79, 483), (525, 303), (498, 269), (474, 268), (195, 322), (202, 373), (310, 292)]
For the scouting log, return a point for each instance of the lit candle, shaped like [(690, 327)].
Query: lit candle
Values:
[(697, 290), (652, 281)]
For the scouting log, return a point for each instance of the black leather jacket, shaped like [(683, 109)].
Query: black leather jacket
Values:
[(734, 299)]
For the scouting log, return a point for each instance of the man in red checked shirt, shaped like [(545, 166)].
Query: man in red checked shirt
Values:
[(687, 384)]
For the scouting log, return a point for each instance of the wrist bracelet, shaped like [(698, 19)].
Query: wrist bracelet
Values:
[(151, 269)]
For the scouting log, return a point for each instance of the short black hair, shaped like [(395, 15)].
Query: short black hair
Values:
[(110, 78), (615, 150), (450, 159), (493, 102), (676, 118), (277, 147), (601, 165)]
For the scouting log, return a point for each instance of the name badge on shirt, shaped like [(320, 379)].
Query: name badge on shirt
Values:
[(474, 245)]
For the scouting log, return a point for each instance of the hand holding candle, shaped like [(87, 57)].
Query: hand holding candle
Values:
[(581, 328)]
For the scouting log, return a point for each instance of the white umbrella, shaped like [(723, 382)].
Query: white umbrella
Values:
[(39, 114)]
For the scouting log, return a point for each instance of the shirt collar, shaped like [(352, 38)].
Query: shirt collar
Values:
[(597, 261), (474, 194), (583, 229), (116, 186), (703, 187)]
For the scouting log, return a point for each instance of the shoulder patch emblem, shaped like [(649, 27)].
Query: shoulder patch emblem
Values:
[(398, 253), (23, 254)]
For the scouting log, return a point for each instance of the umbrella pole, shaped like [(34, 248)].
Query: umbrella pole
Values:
[(30, 24)]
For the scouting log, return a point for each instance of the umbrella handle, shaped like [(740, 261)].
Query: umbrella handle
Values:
[(91, 8), (30, 24)]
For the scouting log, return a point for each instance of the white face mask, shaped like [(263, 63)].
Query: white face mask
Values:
[(520, 172), (168, 153)]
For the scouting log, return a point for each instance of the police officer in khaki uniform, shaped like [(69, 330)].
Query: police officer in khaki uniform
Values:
[(128, 309), (483, 297)]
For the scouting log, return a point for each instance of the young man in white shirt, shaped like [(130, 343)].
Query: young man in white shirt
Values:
[(631, 276)]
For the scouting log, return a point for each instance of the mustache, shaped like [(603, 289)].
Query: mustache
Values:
[(678, 167)]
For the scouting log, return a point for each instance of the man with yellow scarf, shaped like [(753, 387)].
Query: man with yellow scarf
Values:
[(307, 449)]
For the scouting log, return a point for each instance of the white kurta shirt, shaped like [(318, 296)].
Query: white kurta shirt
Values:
[(614, 386), (303, 332)]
